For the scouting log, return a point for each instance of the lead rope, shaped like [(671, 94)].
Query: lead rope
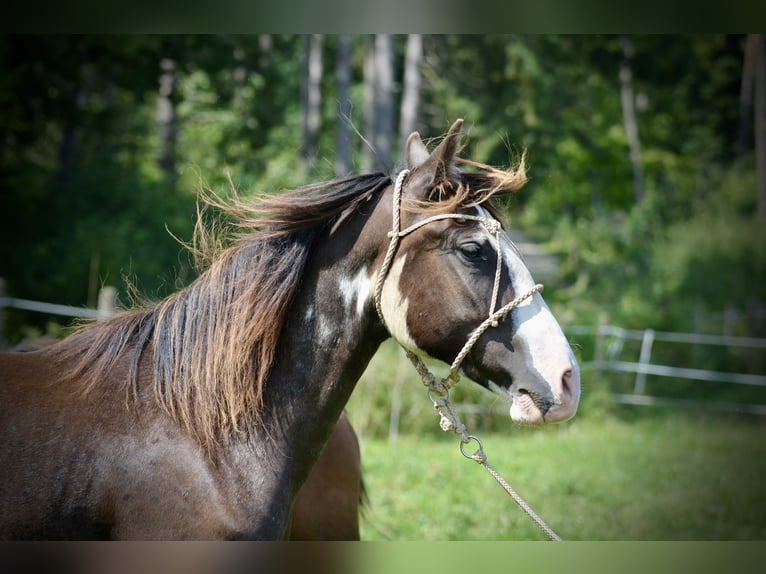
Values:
[(449, 419)]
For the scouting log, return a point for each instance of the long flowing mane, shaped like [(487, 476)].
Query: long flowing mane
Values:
[(213, 343)]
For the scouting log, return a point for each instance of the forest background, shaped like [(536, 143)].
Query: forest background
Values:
[(647, 165), (646, 156)]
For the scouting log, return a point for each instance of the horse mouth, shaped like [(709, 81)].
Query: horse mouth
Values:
[(526, 410), (527, 407)]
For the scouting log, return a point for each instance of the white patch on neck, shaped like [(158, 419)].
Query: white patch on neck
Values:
[(324, 330), (355, 292), (394, 307)]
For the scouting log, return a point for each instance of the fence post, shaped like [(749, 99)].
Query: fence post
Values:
[(644, 359), (598, 351), (107, 301), (729, 320)]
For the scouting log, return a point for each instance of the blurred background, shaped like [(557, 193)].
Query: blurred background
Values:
[(644, 216)]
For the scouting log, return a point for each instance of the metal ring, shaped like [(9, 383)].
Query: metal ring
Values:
[(470, 438), (444, 397)]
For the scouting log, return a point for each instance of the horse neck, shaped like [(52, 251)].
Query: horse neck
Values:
[(330, 334)]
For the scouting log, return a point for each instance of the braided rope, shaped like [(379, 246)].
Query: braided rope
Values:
[(491, 321), (449, 419), (521, 502), (392, 245), (491, 225)]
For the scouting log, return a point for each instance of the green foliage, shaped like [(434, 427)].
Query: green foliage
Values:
[(660, 273), (718, 255), (84, 200)]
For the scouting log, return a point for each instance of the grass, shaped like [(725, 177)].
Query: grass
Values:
[(661, 477), (612, 473)]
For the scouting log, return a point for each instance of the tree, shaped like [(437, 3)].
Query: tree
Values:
[(80, 140), (629, 116), (411, 93), (311, 95), (343, 89), (379, 102), (167, 119)]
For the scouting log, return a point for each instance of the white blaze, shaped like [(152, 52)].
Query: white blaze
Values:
[(540, 344)]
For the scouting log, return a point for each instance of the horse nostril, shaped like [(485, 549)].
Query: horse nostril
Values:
[(566, 382)]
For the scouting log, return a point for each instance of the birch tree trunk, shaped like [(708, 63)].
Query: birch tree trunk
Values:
[(167, 120), (384, 100), (311, 99), (411, 91), (379, 103), (760, 121), (265, 46), (629, 117), (368, 152), (342, 128)]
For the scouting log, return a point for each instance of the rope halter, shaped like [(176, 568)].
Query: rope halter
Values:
[(495, 315), (449, 418)]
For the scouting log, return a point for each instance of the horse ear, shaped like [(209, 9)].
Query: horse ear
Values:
[(434, 170), (415, 152), (445, 151), (441, 159)]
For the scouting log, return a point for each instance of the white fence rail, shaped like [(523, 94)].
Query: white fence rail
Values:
[(53, 308), (107, 299), (609, 345)]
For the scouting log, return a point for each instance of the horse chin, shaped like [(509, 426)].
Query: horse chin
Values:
[(525, 411)]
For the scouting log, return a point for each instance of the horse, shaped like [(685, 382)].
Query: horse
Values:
[(328, 504), (202, 415)]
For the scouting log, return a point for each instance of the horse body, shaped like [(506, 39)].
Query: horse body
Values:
[(88, 476), (204, 416)]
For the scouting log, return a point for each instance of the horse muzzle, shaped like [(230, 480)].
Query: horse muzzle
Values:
[(547, 402)]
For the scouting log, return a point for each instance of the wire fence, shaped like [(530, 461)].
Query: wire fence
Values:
[(608, 357), (609, 345)]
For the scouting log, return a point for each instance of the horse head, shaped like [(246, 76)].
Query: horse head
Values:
[(451, 268)]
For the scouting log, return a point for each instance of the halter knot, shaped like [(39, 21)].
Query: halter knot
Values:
[(492, 225)]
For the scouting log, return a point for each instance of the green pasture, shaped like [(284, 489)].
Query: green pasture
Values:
[(609, 474)]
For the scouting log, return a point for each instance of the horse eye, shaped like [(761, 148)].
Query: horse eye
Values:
[(471, 251)]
